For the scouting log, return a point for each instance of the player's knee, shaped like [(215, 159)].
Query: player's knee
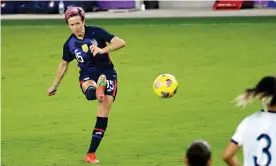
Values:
[(90, 93)]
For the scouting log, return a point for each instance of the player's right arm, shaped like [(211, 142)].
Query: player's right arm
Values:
[(62, 69)]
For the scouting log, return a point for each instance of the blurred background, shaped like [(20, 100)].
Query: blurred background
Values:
[(58, 7)]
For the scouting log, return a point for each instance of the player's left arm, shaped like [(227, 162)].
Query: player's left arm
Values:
[(229, 154), (115, 42), (237, 141)]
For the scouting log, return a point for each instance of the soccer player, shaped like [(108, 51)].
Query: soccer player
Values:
[(98, 78), (198, 154), (256, 134)]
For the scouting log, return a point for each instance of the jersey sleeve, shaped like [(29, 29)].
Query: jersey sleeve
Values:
[(103, 34), (67, 56), (239, 135)]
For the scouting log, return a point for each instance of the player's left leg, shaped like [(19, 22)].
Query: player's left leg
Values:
[(104, 108)]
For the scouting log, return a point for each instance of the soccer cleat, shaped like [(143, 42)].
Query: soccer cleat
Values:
[(91, 158), (101, 88)]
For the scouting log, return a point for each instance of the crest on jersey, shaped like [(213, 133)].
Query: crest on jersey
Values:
[(94, 42), (84, 48)]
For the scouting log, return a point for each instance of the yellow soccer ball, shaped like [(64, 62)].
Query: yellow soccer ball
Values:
[(165, 85)]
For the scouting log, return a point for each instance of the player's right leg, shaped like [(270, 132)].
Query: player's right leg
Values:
[(89, 89), (101, 85)]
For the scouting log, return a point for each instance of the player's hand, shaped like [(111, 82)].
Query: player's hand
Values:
[(96, 50), (52, 90)]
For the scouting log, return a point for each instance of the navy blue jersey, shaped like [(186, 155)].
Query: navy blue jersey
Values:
[(78, 49)]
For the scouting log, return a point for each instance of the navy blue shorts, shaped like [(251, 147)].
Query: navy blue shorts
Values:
[(111, 80)]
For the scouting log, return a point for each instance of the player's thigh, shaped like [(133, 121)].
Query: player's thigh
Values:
[(111, 86), (104, 107), (86, 81), (87, 84)]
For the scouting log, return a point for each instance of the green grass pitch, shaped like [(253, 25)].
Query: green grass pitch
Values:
[(213, 60)]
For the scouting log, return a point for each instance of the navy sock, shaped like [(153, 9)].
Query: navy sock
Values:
[(98, 134)]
